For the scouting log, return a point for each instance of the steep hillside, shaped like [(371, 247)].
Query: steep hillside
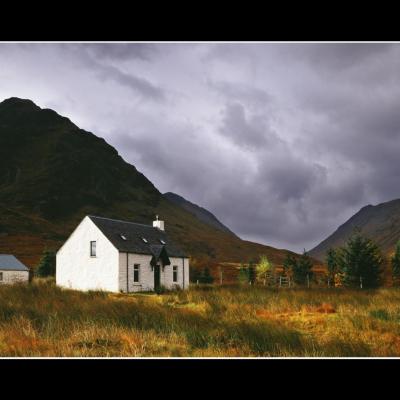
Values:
[(52, 174), (201, 213), (380, 223)]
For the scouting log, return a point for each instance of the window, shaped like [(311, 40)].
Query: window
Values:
[(136, 269), (1, 276), (175, 273), (93, 249)]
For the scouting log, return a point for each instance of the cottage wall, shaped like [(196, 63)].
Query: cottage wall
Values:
[(10, 277), (76, 269), (146, 274)]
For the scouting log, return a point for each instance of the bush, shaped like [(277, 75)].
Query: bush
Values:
[(47, 264)]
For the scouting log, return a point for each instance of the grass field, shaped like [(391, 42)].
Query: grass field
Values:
[(42, 320)]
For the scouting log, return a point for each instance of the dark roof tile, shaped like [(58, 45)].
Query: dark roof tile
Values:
[(133, 232)]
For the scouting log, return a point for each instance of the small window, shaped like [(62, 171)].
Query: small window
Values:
[(175, 273), (123, 237), (1, 276), (144, 239), (93, 249), (162, 241), (136, 270)]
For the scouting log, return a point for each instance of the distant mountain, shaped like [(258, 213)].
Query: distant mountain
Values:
[(53, 173), (380, 223), (201, 213)]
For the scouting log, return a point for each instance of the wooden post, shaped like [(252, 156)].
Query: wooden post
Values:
[(308, 282), (220, 275), (280, 280), (360, 282), (197, 282)]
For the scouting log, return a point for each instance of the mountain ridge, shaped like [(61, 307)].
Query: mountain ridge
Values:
[(200, 212), (380, 222), (52, 174)]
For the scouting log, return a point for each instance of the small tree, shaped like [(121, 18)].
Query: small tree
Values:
[(302, 269), (243, 276), (47, 264), (206, 276), (396, 265), (360, 261), (194, 275), (252, 272), (263, 269), (289, 263), (332, 263)]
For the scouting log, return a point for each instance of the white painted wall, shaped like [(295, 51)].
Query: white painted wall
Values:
[(146, 275), (76, 269), (10, 277)]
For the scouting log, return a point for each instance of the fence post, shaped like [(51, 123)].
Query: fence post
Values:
[(280, 280), (220, 275), (197, 282), (308, 282), (360, 282)]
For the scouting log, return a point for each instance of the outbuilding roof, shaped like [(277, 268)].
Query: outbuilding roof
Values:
[(10, 263), (130, 237)]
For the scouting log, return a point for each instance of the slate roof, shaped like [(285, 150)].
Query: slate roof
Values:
[(133, 232), (9, 263)]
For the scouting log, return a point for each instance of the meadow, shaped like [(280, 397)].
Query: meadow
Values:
[(42, 320)]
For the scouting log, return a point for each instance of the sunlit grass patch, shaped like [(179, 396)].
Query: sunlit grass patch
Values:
[(43, 320)]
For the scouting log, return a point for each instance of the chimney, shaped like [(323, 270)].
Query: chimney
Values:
[(158, 224)]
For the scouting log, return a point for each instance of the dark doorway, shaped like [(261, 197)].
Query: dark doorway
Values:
[(157, 278)]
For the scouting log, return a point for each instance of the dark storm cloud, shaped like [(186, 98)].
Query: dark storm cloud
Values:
[(283, 142), (122, 51), (248, 131), (336, 56), (137, 84), (101, 58)]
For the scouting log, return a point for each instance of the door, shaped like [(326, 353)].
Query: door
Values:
[(157, 278)]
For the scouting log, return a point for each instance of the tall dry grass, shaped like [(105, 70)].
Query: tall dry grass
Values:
[(43, 320)]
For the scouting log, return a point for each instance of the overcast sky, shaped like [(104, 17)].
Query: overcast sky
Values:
[(282, 142)]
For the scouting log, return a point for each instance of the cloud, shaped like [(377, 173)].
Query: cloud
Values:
[(283, 142), (121, 51)]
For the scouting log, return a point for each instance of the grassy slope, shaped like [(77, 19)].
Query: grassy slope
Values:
[(42, 320)]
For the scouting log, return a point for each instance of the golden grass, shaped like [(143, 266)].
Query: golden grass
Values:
[(43, 320)]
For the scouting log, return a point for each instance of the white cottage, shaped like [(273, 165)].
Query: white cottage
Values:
[(120, 256), (12, 270)]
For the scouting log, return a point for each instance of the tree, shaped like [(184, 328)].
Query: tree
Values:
[(47, 264), (252, 272), (263, 269), (243, 276), (289, 263), (332, 263), (360, 260), (194, 274), (206, 276), (302, 269), (396, 264)]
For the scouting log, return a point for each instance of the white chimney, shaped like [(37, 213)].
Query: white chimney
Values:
[(158, 224)]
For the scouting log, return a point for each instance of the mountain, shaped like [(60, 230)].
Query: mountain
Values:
[(201, 213), (380, 223), (53, 173)]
